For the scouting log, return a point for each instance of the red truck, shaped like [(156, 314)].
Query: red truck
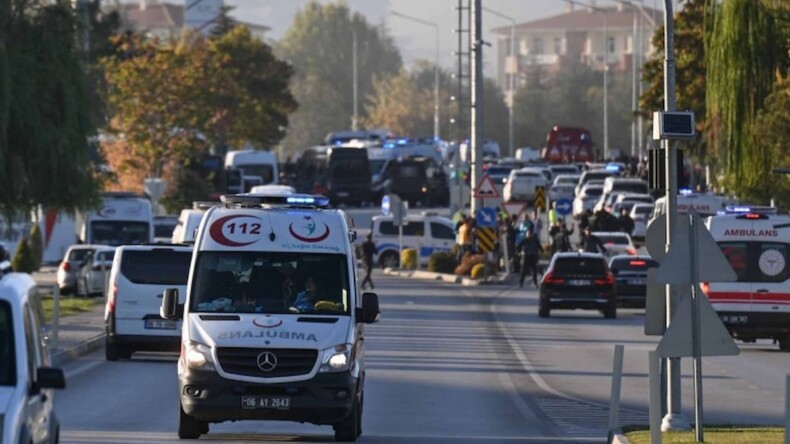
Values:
[(566, 145)]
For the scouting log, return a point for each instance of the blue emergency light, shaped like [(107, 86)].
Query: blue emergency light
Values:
[(743, 209), (613, 167)]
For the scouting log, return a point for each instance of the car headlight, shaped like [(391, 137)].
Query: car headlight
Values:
[(198, 356), (336, 359)]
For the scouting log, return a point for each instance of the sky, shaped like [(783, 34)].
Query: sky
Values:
[(416, 41)]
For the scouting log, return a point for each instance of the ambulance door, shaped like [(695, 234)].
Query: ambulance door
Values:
[(771, 288), (733, 300)]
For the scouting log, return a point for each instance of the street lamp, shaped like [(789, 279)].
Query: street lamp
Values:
[(605, 72), (512, 79), (435, 69)]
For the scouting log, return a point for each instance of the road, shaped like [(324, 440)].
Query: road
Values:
[(447, 364)]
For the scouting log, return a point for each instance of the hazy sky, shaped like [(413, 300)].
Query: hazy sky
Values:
[(415, 41)]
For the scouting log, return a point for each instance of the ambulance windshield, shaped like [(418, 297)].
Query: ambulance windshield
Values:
[(267, 282)]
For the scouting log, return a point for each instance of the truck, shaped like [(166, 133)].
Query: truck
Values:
[(568, 145), (123, 218)]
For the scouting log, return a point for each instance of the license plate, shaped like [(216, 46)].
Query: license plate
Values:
[(266, 402), (637, 282), (578, 282), (160, 324)]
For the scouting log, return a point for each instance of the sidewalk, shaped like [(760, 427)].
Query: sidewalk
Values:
[(77, 335)]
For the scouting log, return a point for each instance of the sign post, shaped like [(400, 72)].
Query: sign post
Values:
[(563, 207)]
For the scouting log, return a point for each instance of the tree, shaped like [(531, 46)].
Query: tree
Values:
[(224, 23), (23, 261), (319, 44), (744, 55), (44, 123), (690, 72), (36, 246), (771, 132)]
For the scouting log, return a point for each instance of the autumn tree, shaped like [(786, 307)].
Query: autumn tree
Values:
[(319, 44), (771, 131)]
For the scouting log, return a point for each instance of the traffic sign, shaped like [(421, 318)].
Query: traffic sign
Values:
[(486, 239), (563, 206), (385, 205), (486, 217), (513, 208), (486, 188), (540, 198)]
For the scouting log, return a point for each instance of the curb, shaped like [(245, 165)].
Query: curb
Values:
[(447, 278), (83, 348), (620, 439)]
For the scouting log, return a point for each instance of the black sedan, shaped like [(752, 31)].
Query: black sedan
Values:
[(578, 281), (630, 273)]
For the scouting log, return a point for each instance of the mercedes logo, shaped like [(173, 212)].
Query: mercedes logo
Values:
[(267, 361)]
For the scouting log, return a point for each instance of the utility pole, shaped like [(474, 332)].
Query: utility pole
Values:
[(511, 79), (477, 99), (355, 117)]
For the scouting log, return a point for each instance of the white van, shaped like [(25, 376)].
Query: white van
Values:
[(138, 277), (273, 318), (122, 219), (757, 246), (426, 233), (251, 162), (189, 221)]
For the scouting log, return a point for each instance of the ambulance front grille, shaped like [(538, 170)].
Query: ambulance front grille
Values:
[(275, 362)]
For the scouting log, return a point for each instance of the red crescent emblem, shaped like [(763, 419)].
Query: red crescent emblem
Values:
[(219, 237), (319, 238), (277, 323)]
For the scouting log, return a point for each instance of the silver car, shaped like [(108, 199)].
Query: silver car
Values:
[(70, 265), (92, 276)]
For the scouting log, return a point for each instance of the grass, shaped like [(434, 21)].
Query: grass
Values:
[(69, 306), (714, 435)]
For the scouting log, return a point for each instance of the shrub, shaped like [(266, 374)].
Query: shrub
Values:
[(408, 258), (36, 246), (468, 261), (442, 262), (23, 258), (478, 271)]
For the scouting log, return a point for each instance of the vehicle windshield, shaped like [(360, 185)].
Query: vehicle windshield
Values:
[(7, 357), (78, 254), (156, 267), (574, 266), (120, 232), (612, 239), (267, 282), (164, 230), (265, 171), (593, 191)]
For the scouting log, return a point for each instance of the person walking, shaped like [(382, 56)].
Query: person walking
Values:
[(530, 250), (625, 222), (553, 216), (368, 250), (592, 244), (560, 237)]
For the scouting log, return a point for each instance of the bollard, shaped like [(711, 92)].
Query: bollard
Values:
[(655, 396), (614, 400), (55, 316)]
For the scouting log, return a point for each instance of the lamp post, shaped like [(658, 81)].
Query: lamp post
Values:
[(605, 72), (512, 78), (435, 69)]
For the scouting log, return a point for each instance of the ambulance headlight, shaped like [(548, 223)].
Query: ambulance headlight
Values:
[(336, 359), (198, 356)]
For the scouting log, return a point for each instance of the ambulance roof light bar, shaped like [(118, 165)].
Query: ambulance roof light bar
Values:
[(291, 200), (745, 209)]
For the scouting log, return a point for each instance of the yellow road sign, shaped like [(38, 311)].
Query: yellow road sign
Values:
[(540, 198), (486, 239)]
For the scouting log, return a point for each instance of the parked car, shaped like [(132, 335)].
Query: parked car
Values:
[(563, 186), (640, 214), (616, 242), (27, 413), (578, 281), (635, 198), (589, 175), (605, 202), (521, 184), (426, 233), (586, 198), (630, 274), (70, 266), (94, 271), (139, 276)]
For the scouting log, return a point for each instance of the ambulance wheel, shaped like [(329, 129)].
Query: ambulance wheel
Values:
[(188, 426), (111, 351), (389, 260), (784, 343), (348, 429)]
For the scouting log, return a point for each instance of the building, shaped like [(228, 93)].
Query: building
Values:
[(581, 34), (166, 20)]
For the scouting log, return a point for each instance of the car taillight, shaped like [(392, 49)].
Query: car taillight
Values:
[(551, 279), (631, 251), (705, 287), (608, 280), (65, 266), (111, 298)]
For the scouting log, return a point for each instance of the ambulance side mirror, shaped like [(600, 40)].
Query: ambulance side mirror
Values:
[(170, 308), (369, 313)]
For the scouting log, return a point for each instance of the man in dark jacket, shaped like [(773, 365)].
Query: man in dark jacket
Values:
[(530, 250), (625, 222), (368, 250), (592, 244)]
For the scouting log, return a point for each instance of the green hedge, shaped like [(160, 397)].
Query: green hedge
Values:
[(442, 262)]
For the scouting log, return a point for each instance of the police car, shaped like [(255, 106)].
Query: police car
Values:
[(426, 233), (273, 322), (756, 242), (26, 378)]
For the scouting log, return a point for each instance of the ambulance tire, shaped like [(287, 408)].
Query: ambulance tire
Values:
[(188, 426), (349, 428), (112, 351), (784, 343)]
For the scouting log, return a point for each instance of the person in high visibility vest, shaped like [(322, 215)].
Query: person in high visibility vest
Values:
[(553, 214)]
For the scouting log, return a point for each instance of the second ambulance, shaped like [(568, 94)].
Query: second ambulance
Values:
[(756, 242)]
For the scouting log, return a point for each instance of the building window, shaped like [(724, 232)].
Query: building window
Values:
[(610, 44), (557, 45), (537, 46)]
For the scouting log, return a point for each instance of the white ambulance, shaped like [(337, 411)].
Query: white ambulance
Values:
[(273, 322), (123, 219), (757, 246)]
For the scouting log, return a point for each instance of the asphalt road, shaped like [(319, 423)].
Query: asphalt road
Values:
[(447, 364)]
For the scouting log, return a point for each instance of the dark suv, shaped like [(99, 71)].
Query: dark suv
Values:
[(578, 281)]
